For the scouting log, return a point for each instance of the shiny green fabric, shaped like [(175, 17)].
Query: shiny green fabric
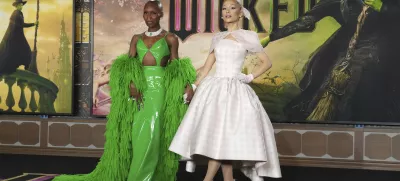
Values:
[(159, 50), (137, 141), (178, 74), (146, 127)]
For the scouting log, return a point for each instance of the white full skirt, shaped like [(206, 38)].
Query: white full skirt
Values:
[(226, 121)]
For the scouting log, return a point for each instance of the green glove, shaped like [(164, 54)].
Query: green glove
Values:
[(264, 42), (374, 4)]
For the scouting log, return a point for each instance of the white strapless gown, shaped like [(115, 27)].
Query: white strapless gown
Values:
[(226, 121)]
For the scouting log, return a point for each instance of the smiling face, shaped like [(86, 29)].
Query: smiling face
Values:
[(152, 14), (231, 11)]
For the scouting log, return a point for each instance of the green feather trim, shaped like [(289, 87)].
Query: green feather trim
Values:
[(178, 74), (116, 159)]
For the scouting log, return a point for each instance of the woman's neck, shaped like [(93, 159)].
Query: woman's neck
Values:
[(232, 26), (154, 29)]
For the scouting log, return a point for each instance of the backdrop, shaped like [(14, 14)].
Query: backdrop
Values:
[(46, 87), (327, 66)]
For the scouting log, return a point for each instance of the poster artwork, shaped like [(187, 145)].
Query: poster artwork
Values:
[(333, 60), (36, 56)]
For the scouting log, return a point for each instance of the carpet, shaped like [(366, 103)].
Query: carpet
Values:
[(31, 177)]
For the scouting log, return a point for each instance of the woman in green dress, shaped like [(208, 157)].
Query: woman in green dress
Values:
[(147, 88)]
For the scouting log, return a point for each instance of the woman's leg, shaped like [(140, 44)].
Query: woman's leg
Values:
[(145, 143), (146, 132), (213, 166), (227, 171)]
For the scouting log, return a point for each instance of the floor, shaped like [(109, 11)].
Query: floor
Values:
[(12, 165)]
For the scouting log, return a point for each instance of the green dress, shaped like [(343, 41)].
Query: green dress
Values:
[(147, 124), (138, 138)]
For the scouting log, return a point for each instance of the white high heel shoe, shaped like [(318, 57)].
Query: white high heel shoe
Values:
[(251, 173), (190, 166)]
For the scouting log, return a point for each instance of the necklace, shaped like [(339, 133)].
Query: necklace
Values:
[(150, 34)]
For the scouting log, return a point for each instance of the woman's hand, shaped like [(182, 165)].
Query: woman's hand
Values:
[(135, 94), (95, 101), (189, 93), (245, 78), (265, 41), (374, 4)]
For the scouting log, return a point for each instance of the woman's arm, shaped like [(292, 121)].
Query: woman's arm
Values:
[(100, 82), (132, 53), (265, 65), (132, 47), (307, 22), (254, 46), (203, 71), (27, 25), (173, 44)]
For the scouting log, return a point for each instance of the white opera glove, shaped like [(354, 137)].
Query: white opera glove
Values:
[(245, 78)]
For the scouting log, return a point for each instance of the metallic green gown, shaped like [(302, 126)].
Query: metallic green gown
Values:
[(147, 124)]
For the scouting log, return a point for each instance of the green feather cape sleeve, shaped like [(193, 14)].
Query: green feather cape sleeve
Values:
[(178, 74), (115, 161)]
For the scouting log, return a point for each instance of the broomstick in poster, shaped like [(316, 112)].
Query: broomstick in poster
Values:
[(14, 48), (33, 65), (354, 75)]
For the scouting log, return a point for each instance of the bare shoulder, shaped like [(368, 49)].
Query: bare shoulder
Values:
[(172, 38), (135, 37)]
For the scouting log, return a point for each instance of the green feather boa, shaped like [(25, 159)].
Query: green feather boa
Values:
[(178, 74), (116, 159)]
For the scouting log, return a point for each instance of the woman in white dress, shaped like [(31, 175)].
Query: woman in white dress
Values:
[(225, 121)]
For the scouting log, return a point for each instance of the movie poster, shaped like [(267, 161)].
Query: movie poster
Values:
[(36, 54), (333, 60)]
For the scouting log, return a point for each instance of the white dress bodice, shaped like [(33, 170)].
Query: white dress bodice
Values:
[(230, 53), (230, 56)]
